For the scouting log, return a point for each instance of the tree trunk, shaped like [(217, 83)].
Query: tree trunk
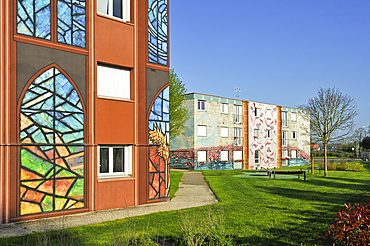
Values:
[(325, 161), (312, 163)]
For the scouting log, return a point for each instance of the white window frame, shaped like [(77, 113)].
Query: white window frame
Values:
[(202, 156), (238, 155), (284, 138), (127, 162), (256, 157), (294, 135), (224, 155), (238, 115), (200, 102), (293, 116), (125, 11), (202, 131), (293, 154), (268, 113), (285, 154), (224, 108), (113, 82), (224, 132), (256, 112), (256, 133), (284, 118), (238, 135)]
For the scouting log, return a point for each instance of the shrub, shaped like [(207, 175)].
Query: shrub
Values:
[(352, 227), (341, 166)]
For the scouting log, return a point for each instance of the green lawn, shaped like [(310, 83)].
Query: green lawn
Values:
[(254, 211)]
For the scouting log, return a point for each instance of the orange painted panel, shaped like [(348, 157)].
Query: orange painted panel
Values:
[(114, 42), (115, 194), (114, 122)]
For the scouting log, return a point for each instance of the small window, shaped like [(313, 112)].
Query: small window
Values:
[(114, 161), (224, 155), (256, 156), (294, 135), (268, 114), (115, 8), (238, 115), (238, 136), (294, 154), (268, 133), (284, 118), (202, 131), (293, 116), (256, 133), (238, 155), (256, 112), (224, 132), (113, 82), (284, 138), (224, 108), (201, 105), (285, 153), (202, 156)]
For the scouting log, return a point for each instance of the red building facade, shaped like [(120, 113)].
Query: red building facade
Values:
[(83, 106)]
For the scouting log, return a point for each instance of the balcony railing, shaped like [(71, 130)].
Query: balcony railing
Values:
[(238, 119)]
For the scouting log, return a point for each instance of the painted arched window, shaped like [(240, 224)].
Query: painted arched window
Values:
[(159, 148), (52, 158)]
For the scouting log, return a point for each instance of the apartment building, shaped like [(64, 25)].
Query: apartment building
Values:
[(84, 106), (224, 134)]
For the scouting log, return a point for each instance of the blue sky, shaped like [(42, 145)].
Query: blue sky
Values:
[(278, 51)]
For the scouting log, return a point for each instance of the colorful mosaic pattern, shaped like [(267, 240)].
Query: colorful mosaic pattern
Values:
[(157, 31), (33, 18), (52, 151), (72, 22), (158, 134)]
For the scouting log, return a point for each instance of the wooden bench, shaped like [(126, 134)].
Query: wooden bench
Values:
[(274, 172), (309, 168)]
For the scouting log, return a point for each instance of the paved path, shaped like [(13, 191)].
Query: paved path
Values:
[(193, 192)]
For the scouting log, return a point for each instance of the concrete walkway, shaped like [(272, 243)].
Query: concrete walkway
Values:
[(193, 192)]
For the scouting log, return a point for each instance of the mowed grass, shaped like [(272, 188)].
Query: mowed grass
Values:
[(255, 211)]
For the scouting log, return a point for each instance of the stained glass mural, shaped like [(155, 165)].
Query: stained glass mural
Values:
[(33, 18), (158, 134), (157, 31), (72, 22), (52, 151)]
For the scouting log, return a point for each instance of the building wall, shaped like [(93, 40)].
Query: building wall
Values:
[(186, 146), (265, 120), (301, 144), (69, 171)]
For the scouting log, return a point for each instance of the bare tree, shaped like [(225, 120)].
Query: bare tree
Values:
[(331, 117)]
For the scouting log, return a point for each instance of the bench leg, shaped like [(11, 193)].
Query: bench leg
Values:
[(299, 178), (304, 176)]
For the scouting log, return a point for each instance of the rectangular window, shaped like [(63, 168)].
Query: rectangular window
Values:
[(238, 155), (256, 156), (202, 131), (201, 105), (268, 133), (113, 82), (114, 161), (284, 138), (202, 156), (238, 116), (224, 108), (238, 136), (293, 116), (224, 155), (115, 8), (256, 112), (284, 118), (224, 132), (294, 154), (285, 153), (268, 114), (256, 133), (294, 135)]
